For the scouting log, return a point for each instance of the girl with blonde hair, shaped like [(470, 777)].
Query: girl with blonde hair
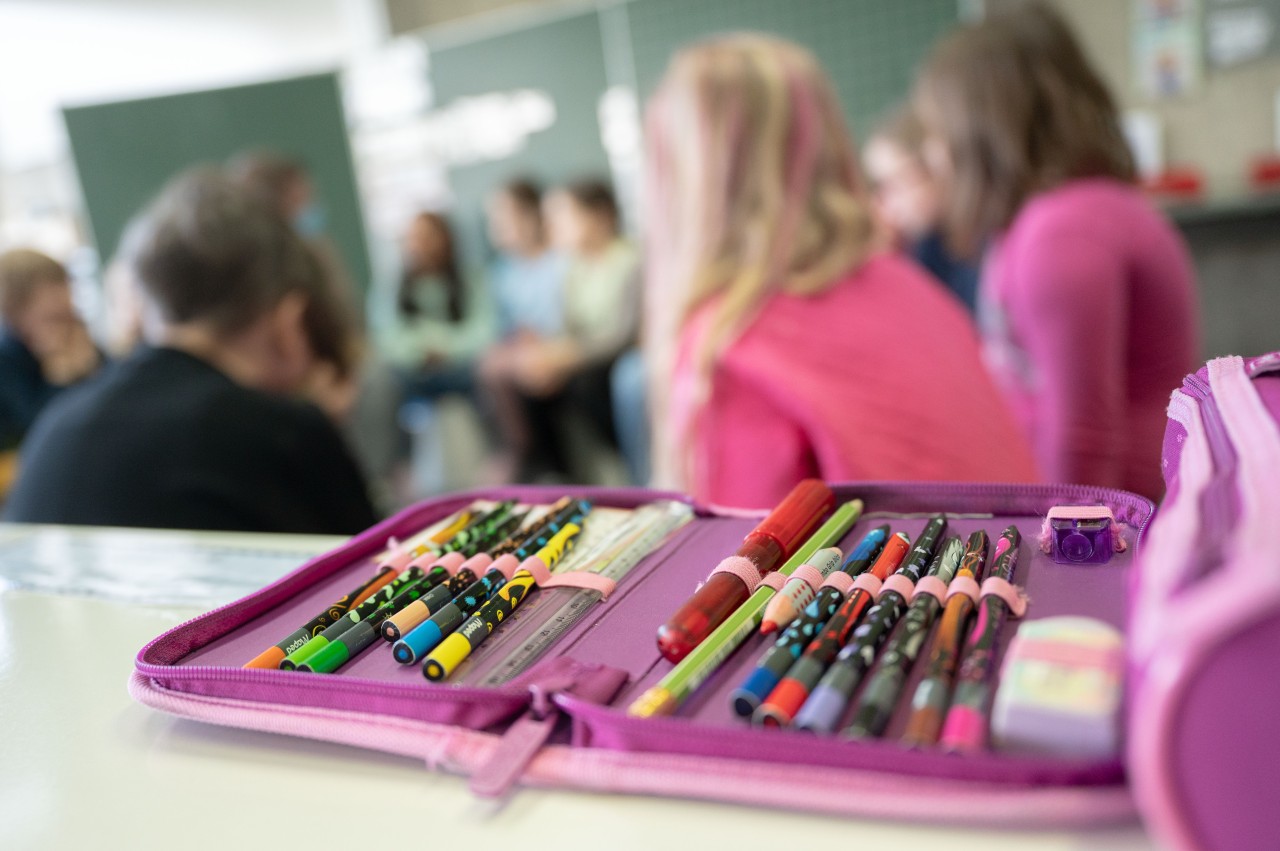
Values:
[(786, 342)]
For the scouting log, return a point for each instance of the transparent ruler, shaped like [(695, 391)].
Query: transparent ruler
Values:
[(623, 550)]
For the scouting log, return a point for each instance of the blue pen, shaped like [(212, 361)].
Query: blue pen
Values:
[(779, 658)]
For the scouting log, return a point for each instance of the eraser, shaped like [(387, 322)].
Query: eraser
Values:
[(1060, 689)]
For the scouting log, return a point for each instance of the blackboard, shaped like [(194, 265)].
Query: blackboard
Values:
[(126, 151)]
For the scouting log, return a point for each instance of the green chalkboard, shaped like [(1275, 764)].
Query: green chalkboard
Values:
[(125, 152), (561, 58), (869, 47)]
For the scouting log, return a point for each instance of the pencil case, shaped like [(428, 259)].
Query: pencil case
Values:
[(563, 722), (1204, 643)]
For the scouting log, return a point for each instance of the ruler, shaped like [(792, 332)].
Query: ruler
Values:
[(627, 547)]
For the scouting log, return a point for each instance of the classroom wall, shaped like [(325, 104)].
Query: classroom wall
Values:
[(1218, 128)]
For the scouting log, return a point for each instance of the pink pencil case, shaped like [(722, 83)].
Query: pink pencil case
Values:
[(564, 723), (1204, 642)]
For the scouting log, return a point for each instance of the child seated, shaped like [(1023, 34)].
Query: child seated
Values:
[(785, 344), (44, 346), (200, 428)]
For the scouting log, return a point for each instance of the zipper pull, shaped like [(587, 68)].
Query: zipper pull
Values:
[(530, 732)]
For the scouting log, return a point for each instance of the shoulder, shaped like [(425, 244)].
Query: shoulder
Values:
[(1094, 208)]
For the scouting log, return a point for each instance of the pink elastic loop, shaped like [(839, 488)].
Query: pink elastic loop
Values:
[(584, 580), (506, 564), (537, 567), (477, 564), (868, 582), (809, 574), (401, 559), (1013, 596), (544, 578), (901, 584), (449, 561), (933, 586), (964, 586), (741, 567), (774, 580), (842, 582)]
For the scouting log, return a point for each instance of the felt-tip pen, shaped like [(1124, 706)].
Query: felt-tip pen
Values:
[(771, 543)]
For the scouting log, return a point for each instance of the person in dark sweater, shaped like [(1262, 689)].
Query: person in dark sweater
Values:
[(44, 345), (203, 426)]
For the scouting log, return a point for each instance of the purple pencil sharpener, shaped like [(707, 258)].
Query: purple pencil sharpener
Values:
[(1080, 534)]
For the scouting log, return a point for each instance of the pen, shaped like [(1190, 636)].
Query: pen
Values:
[(788, 696), (779, 658), (683, 680), (888, 676), (273, 656), (454, 650), (449, 617), (368, 607), (933, 694), (771, 543), (966, 725), (799, 590), (480, 528), (416, 611)]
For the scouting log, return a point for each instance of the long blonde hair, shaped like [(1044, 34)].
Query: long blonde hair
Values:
[(752, 188)]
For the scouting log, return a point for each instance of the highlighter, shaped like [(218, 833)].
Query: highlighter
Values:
[(771, 543)]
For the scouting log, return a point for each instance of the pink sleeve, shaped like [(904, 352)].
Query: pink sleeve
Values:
[(1068, 303), (749, 453)]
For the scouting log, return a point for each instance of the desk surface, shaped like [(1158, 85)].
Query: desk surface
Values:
[(84, 766)]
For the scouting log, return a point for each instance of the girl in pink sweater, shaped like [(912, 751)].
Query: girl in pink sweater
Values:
[(785, 345), (1088, 304)]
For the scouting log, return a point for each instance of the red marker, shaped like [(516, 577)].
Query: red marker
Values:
[(769, 545)]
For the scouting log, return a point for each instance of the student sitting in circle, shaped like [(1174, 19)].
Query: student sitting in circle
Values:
[(203, 427), (787, 343)]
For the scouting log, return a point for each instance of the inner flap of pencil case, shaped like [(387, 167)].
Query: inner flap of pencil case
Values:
[(206, 655), (623, 635)]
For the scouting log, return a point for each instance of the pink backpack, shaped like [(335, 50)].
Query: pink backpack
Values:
[(1204, 635)]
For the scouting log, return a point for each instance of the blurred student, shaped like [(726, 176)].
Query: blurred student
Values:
[(552, 373), (527, 288), (527, 279), (1088, 305), (44, 345), (910, 202), (203, 426), (785, 343), (285, 184), (440, 324)]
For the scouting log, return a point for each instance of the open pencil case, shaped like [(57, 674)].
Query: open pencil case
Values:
[(563, 722)]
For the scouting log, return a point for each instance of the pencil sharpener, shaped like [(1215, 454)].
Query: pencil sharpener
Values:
[(1081, 540)]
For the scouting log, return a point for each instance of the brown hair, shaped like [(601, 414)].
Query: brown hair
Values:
[(208, 250), (268, 175), (596, 197), (1020, 110), (21, 272), (449, 274)]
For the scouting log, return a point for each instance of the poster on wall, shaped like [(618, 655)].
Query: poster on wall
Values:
[(1167, 47), (1240, 31)]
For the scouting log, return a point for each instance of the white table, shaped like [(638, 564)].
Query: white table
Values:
[(83, 766)]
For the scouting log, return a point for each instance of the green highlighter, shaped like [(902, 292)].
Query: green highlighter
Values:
[(684, 679)]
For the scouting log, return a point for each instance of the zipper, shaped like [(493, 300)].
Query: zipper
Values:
[(529, 734), (1218, 505), (681, 736)]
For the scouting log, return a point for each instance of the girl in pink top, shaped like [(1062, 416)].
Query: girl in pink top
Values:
[(784, 345), (1088, 304)]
